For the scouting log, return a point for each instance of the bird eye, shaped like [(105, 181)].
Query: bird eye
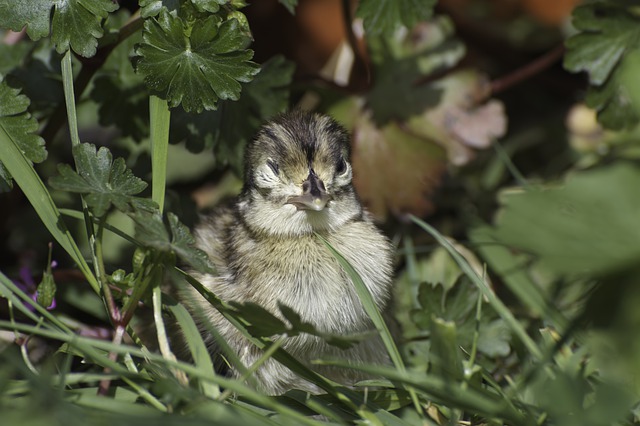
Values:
[(273, 166), (342, 166)]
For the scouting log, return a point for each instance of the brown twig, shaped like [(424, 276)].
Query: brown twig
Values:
[(529, 70), (360, 63)]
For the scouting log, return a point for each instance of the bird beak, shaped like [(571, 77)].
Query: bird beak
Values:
[(314, 197)]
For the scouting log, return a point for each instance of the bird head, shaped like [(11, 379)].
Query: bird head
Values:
[(298, 176)]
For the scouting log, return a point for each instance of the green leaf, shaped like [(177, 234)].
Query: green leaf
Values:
[(511, 268), (103, 181), (494, 339), (20, 126), (233, 124), (32, 14), (386, 16), (39, 77), (290, 5), (446, 358), (149, 8), (120, 93), (6, 183), (194, 66), (75, 23), (588, 226), (17, 164), (608, 32), (400, 63), (152, 232), (497, 304), (211, 6)]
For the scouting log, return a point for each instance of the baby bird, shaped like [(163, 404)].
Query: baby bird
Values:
[(298, 182)]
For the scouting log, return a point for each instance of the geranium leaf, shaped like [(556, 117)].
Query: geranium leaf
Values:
[(385, 16), (73, 23), (608, 32), (394, 171), (152, 232), (104, 182), (20, 126), (586, 226), (194, 66)]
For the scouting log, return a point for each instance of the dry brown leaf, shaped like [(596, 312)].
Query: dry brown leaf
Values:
[(458, 124), (478, 127), (394, 172)]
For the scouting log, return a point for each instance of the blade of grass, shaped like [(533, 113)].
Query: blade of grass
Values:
[(193, 338), (91, 347), (69, 97), (159, 117), (376, 317), (36, 192), (163, 339), (446, 392), (513, 274), (496, 303), (75, 214), (95, 242)]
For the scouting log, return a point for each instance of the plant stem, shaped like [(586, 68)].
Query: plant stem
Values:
[(527, 71), (163, 341), (101, 275), (103, 387)]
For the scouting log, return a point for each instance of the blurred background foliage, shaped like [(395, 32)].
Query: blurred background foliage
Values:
[(510, 126)]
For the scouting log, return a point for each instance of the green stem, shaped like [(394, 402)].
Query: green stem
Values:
[(101, 274), (163, 340), (70, 102), (476, 332), (504, 156), (159, 116), (268, 353)]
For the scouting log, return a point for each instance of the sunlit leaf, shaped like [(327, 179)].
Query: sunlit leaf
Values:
[(394, 171), (586, 226), (103, 181), (608, 33), (152, 232), (21, 127), (386, 16), (73, 23), (194, 66)]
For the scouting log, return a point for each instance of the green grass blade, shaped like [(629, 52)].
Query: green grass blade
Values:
[(496, 303), (193, 338), (515, 277), (36, 192), (159, 123), (372, 310), (69, 97), (446, 392)]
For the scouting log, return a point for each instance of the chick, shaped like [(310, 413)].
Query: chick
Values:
[(298, 182)]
